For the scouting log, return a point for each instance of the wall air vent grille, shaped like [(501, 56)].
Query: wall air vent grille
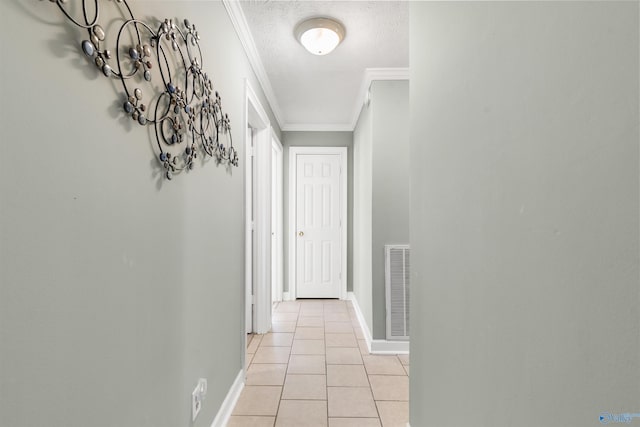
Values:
[(397, 272)]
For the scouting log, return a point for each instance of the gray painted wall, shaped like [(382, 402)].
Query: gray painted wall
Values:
[(524, 218), (362, 214), (381, 146), (319, 139), (118, 289), (390, 184)]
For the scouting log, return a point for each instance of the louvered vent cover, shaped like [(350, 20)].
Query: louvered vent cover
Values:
[(397, 262)]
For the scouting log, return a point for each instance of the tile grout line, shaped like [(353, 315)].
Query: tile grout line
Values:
[(326, 366), (275, 419), (375, 404)]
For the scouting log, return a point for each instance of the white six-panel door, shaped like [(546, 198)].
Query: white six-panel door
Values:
[(318, 226)]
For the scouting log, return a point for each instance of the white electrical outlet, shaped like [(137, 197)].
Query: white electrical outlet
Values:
[(202, 382), (197, 397), (196, 402)]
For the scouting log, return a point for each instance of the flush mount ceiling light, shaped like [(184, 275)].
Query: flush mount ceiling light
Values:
[(320, 35)]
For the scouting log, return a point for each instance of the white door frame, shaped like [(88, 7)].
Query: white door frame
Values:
[(277, 188), (257, 119), (248, 238), (293, 156)]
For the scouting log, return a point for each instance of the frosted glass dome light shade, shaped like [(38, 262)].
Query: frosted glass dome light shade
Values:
[(320, 35)]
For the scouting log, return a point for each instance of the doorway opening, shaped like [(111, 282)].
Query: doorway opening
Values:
[(317, 224), (259, 224), (277, 245)]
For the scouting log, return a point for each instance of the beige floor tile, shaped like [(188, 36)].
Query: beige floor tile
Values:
[(312, 308), (306, 310), (314, 321), (305, 387), (308, 347), (358, 331), (341, 340), (312, 304), (306, 364), (354, 422), (305, 333), (252, 347), (266, 374), (248, 360), (283, 326), (363, 347), (335, 306), (288, 307), (393, 414), (404, 359), (250, 421), (298, 413), (347, 376), (336, 316), (258, 400), (351, 402), (389, 387), (338, 327), (406, 368), (339, 315), (382, 365), (315, 305), (328, 310), (278, 339), (272, 355), (343, 356), (314, 314), (285, 317)]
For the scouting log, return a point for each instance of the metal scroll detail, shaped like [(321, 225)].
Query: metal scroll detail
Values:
[(164, 85)]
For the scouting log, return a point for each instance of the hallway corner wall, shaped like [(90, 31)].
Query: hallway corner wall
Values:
[(362, 215), (390, 185), (381, 193)]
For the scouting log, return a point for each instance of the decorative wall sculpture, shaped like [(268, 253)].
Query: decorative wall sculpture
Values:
[(164, 85)]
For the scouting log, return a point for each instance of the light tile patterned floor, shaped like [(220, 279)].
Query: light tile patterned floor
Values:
[(313, 370)]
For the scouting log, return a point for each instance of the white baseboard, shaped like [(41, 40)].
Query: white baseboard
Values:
[(286, 296), (224, 413), (377, 346), (389, 347), (363, 324)]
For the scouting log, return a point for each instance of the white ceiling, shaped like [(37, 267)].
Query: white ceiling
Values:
[(324, 92)]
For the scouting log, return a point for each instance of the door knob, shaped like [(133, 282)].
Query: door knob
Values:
[(301, 233)]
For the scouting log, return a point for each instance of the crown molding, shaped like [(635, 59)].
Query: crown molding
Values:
[(331, 127), (371, 74), (239, 22)]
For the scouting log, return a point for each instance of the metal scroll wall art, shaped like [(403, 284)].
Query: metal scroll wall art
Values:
[(179, 101)]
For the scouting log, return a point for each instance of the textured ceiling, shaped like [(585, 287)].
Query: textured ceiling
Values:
[(323, 90)]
